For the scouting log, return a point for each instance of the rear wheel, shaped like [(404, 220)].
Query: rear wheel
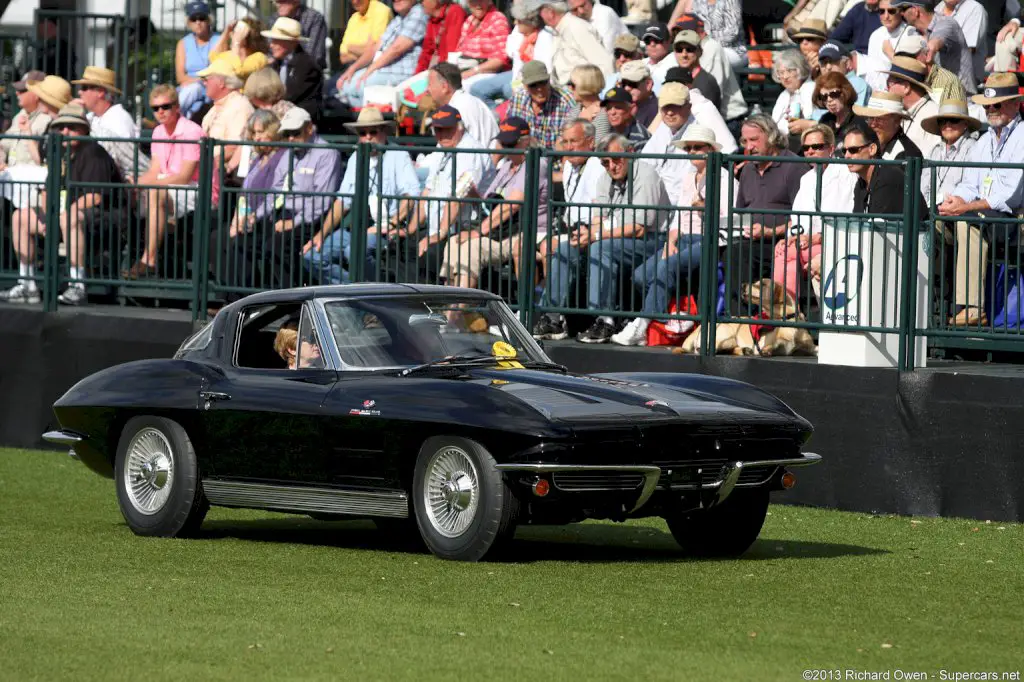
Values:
[(463, 507), (728, 529), (157, 479)]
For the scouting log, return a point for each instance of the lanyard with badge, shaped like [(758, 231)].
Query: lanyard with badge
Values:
[(997, 150)]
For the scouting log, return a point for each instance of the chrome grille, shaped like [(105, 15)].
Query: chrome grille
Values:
[(576, 481), (689, 474)]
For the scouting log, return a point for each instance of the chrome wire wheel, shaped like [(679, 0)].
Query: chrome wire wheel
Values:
[(149, 471), (451, 491)]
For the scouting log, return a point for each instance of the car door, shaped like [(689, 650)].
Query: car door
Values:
[(266, 423)]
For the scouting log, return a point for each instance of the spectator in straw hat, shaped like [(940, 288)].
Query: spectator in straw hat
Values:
[(987, 192), (885, 115), (303, 81), (908, 78), (96, 92), (957, 130), (394, 187), (673, 263), (942, 83), (809, 38), (226, 120), (21, 161)]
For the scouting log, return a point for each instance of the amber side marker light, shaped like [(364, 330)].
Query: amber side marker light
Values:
[(788, 480), (541, 487)]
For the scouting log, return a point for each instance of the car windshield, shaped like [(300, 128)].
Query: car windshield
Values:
[(378, 332)]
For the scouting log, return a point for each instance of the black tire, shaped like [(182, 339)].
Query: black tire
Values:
[(726, 530), (489, 523), (180, 511)]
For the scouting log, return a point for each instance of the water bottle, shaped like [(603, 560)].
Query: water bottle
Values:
[(794, 107)]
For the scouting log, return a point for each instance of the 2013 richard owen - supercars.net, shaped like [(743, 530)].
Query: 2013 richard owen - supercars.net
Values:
[(432, 411)]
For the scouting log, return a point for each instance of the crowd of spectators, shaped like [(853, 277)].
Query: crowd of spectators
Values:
[(881, 79)]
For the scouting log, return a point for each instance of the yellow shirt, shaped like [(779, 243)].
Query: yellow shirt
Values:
[(362, 28)]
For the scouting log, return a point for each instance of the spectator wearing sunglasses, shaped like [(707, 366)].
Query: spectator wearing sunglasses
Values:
[(883, 43), (192, 55), (907, 79), (658, 45), (688, 53), (834, 58), (635, 78), (957, 130), (834, 94), (879, 189), (885, 115), (794, 254)]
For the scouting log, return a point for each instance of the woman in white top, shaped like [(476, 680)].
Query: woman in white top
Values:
[(793, 107), (676, 262), (530, 41)]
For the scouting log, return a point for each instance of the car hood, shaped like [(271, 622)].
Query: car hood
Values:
[(592, 400)]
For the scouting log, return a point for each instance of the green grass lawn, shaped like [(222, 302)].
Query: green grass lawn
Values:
[(275, 597)]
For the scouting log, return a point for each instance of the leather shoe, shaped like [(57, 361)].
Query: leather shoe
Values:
[(969, 317)]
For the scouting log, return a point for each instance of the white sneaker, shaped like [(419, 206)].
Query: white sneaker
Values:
[(73, 295), (20, 293), (633, 334)]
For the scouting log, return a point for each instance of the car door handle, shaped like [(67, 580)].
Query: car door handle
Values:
[(211, 396)]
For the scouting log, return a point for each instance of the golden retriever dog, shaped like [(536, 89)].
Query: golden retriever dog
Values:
[(740, 339)]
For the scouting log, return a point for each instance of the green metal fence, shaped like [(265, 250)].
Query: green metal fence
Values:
[(888, 278)]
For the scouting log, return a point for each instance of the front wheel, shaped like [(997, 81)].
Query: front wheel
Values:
[(463, 507), (157, 478), (726, 530)]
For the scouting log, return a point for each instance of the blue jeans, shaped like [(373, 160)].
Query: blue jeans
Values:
[(191, 98), (490, 89), (353, 94), (328, 264), (657, 276), (605, 260)]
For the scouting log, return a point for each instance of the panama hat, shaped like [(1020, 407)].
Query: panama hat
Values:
[(285, 28), (695, 132), (30, 77), (950, 108), (999, 87), (70, 114), (909, 69), (812, 28), (224, 64), (370, 117), (53, 90), (100, 77), (881, 104)]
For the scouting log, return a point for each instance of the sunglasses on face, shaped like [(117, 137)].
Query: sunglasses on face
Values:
[(994, 107), (815, 147), (368, 132), (854, 149), (199, 17), (622, 54), (163, 107), (695, 149), (607, 163), (689, 49), (832, 94), (652, 41), (632, 84), (948, 122)]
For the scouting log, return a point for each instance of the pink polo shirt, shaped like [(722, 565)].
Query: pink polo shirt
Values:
[(170, 157)]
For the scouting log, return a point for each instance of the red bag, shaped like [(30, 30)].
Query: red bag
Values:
[(659, 335)]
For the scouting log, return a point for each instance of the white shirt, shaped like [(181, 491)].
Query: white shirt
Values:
[(707, 115), (785, 106), (925, 108), (870, 66), (581, 188), (973, 21), (837, 185), (608, 24), (471, 169), (670, 170), (477, 118), (660, 70), (116, 122), (715, 62)]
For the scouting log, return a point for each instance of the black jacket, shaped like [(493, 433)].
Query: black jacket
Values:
[(885, 193), (304, 84)]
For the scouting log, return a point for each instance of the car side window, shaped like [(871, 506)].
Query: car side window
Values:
[(267, 336), (308, 353)]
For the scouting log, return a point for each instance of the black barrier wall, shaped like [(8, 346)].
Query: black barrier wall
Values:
[(933, 442)]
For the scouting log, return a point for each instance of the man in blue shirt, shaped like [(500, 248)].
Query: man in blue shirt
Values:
[(394, 187), (987, 192), (858, 25)]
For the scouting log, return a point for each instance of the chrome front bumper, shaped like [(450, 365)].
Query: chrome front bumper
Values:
[(726, 481), (68, 438)]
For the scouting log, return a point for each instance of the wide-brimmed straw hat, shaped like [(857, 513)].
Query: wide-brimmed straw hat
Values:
[(370, 117), (100, 77), (909, 69), (71, 114), (285, 28), (999, 87), (882, 104), (53, 90), (950, 108), (696, 133), (812, 28)]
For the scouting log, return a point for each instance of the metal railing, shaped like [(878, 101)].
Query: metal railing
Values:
[(897, 276)]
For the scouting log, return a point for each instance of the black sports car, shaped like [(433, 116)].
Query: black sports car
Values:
[(428, 409)]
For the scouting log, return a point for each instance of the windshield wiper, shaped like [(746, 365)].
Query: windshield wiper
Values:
[(465, 359)]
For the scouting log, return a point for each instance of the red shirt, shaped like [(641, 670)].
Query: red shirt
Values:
[(442, 37), (485, 39)]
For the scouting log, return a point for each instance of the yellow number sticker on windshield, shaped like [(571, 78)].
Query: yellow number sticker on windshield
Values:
[(503, 349)]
